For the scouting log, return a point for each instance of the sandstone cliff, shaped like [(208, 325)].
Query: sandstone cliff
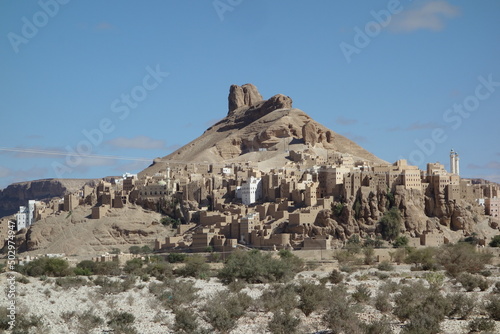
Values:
[(18, 194)]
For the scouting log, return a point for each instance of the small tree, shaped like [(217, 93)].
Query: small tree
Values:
[(390, 224), (495, 242)]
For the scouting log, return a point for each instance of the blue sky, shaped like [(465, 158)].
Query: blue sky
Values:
[(404, 79)]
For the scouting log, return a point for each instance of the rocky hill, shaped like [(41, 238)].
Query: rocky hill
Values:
[(18, 194), (261, 131)]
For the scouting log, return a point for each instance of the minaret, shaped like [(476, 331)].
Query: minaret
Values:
[(454, 162)]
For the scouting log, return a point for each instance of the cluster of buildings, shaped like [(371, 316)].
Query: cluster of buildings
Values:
[(240, 204)]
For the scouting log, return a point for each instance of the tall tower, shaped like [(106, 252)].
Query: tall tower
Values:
[(454, 162)]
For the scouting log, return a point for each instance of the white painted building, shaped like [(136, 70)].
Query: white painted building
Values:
[(26, 215), (251, 191)]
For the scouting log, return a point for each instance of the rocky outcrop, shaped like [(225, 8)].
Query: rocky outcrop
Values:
[(18, 194), (309, 134), (243, 96)]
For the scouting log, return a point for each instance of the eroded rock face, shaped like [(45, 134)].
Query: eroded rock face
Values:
[(243, 96), (309, 134)]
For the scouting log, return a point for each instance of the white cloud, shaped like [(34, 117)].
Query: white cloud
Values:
[(429, 16), (139, 142)]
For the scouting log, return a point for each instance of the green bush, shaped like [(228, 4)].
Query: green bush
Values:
[(340, 315), (462, 257), (493, 307), (283, 323), (160, 270), (470, 282), (133, 267), (423, 308), (174, 293), (385, 266), (390, 224), (194, 266), (312, 297), (462, 305), (279, 297), (362, 294), (401, 241), (257, 267), (495, 242), (71, 282), (87, 321), (121, 322), (134, 249), (186, 321), (335, 277), (382, 326), (47, 266), (176, 257), (223, 310), (382, 302), (481, 325), (107, 268), (369, 254), (423, 258)]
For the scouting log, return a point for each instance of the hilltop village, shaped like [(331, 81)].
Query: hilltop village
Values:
[(313, 202)]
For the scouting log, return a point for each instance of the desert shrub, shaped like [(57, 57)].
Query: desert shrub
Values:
[(114, 286), (381, 302), (481, 325), (496, 288), (390, 287), (22, 280), (257, 267), (374, 243), (134, 249), (107, 268), (401, 241), (279, 297), (47, 266), (186, 321), (362, 294), (27, 324), (435, 279), (345, 257), (87, 321), (160, 270), (470, 282), (462, 257), (174, 293), (133, 267), (283, 323), (340, 315), (71, 282), (194, 266), (381, 326), (423, 308), (176, 257), (493, 307), (335, 277), (495, 241), (390, 224), (353, 244), (369, 254), (146, 249), (236, 286), (422, 259), (385, 266), (399, 255), (461, 305), (312, 297), (121, 322), (223, 310)]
